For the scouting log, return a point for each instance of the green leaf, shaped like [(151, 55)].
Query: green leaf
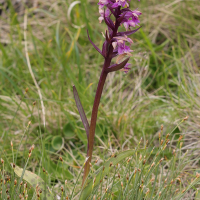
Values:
[(49, 147), (34, 180), (57, 142), (60, 170), (68, 131), (57, 168), (100, 173)]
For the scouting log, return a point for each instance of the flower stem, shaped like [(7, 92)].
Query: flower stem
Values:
[(94, 113), (99, 91)]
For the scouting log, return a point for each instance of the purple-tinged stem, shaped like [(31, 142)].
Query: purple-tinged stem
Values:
[(99, 91), (94, 118)]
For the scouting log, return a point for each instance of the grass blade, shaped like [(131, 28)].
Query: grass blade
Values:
[(88, 189)]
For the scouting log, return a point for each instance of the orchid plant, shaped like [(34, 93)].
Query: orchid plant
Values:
[(117, 44)]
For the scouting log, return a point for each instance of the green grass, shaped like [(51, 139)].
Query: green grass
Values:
[(161, 88)]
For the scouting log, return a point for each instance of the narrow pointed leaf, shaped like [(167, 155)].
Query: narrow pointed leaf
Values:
[(117, 67), (81, 111), (108, 23), (125, 10), (107, 38), (102, 173), (34, 180), (94, 44), (128, 32)]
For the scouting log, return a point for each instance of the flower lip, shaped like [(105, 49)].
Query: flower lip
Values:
[(121, 48)]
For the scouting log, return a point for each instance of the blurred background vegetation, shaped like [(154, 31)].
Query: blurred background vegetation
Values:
[(162, 87)]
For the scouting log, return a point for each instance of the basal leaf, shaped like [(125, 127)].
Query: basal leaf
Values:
[(68, 131), (34, 180), (57, 142)]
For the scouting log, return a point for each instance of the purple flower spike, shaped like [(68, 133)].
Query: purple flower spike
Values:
[(116, 44)]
